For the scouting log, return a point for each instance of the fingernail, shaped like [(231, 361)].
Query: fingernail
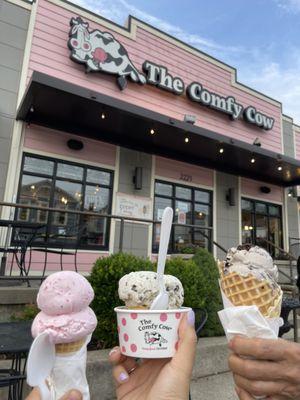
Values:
[(74, 396), (123, 376), (238, 390), (114, 350), (191, 318)]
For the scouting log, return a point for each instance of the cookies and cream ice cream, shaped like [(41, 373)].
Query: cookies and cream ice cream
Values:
[(248, 277), (251, 259), (139, 289)]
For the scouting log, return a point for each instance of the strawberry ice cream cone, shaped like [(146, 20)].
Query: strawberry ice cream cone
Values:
[(66, 317)]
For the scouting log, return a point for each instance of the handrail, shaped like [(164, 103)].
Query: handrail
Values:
[(122, 220), (279, 248)]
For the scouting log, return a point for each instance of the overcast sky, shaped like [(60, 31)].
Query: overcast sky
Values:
[(261, 38)]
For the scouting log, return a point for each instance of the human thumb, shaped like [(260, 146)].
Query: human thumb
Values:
[(185, 356), (72, 395)]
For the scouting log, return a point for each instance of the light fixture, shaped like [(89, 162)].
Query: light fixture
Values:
[(103, 116), (152, 131), (290, 194), (252, 160), (221, 151), (250, 228), (137, 178), (32, 187), (31, 109), (257, 142), (190, 119), (279, 168), (186, 140)]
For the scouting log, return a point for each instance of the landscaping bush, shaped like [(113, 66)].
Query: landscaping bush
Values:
[(27, 314), (104, 278), (199, 277), (209, 290)]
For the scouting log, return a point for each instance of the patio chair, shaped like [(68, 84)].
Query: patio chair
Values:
[(63, 250)]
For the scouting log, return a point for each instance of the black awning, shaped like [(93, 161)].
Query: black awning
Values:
[(60, 105)]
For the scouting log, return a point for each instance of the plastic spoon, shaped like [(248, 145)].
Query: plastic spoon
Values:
[(161, 301), (40, 362)]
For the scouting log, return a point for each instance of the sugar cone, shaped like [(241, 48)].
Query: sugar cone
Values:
[(248, 290), (72, 347)]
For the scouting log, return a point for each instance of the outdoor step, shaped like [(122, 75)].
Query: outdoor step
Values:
[(17, 295)]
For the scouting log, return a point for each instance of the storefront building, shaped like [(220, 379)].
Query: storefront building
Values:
[(127, 121)]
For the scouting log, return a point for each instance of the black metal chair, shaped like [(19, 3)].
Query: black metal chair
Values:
[(200, 320), (63, 250), (15, 339), (288, 304)]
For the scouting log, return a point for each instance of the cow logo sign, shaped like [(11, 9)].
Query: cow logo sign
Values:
[(100, 51)]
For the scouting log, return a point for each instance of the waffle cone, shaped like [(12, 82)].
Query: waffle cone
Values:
[(248, 290), (72, 347)]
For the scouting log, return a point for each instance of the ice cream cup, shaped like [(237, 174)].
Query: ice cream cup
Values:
[(149, 333)]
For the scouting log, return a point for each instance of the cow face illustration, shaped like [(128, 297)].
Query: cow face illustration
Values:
[(100, 51), (153, 338)]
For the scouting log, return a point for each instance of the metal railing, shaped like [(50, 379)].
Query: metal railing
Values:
[(204, 231), (290, 258)]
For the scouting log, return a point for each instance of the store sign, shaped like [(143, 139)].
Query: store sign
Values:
[(133, 206), (100, 51)]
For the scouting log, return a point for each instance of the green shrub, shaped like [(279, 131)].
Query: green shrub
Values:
[(104, 278), (209, 291), (27, 314)]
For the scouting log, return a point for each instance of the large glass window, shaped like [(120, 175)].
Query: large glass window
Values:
[(66, 186), (262, 225), (192, 206)]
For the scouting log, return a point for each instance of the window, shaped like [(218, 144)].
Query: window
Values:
[(191, 206), (261, 224), (66, 186)]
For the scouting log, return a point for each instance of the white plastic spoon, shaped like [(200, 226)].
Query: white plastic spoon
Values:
[(40, 362), (161, 301)]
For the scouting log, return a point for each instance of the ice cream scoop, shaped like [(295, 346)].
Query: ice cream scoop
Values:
[(64, 292), (248, 277), (139, 289), (247, 259)]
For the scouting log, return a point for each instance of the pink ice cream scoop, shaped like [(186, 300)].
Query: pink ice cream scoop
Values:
[(65, 328), (64, 292), (64, 299)]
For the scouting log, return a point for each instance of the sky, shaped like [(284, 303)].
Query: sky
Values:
[(260, 38)]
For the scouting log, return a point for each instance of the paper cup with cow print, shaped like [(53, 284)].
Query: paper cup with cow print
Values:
[(149, 333)]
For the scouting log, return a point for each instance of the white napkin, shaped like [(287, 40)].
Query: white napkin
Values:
[(69, 372), (247, 321)]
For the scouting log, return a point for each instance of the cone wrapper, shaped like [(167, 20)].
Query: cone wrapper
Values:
[(247, 321), (69, 372)]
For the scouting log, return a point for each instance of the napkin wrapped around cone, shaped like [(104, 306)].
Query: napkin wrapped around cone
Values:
[(251, 296)]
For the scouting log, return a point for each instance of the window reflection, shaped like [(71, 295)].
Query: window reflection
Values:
[(262, 225), (191, 207), (67, 186)]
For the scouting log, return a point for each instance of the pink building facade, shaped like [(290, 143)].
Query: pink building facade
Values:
[(125, 121)]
